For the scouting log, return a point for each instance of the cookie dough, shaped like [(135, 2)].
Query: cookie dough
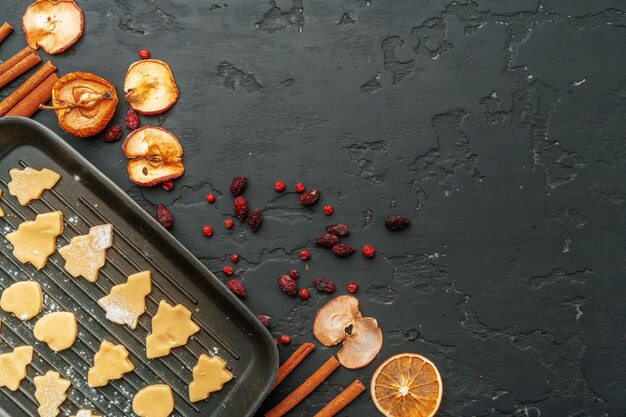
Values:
[(154, 401), (85, 413), (209, 375), (86, 254), (34, 241), (171, 327), (127, 302), (13, 366), (24, 299), (50, 392), (110, 362), (29, 184), (57, 329)]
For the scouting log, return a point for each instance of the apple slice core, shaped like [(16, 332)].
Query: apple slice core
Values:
[(53, 25), (155, 156), (150, 87)]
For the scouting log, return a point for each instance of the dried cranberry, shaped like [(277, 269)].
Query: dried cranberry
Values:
[(351, 287), (368, 251), (113, 133), (164, 216), (228, 223), (255, 219), (227, 270), (241, 208), (287, 284), (299, 187), (308, 198), (294, 274), (303, 293), (210, 198), (338, 229), (304, 254), (276, 341), (285, 339), (342, 250), (234, 258), (237, 185), (207, 230), (236, 287), (328, 210), (264, 319), (143, 54), (168, 185), (279, 186), (131, 120), (327, 240), (324, 284), (396, 222)]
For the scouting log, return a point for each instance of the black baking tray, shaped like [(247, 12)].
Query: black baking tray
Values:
[(87, 197)]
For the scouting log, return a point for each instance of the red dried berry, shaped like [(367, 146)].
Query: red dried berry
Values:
[(324, 284), (164, 216), (304, 254), (294, 274), (276, 341), (327, 240), (167, 185), (234, 258), (299, 187), (207, 230), (338, 229), (143, 54), (328, 210), (279, 186), (396, 222), (255, 219), (308, 198), (237, 185), (351, 287), (227, 270), (228, 223), (113, 133), (264, 319), (131, 120), (241, 208), (210, 198), (284, 339), (303, 293), (287, 284), (342, 250), (236, 287), (368, 251)]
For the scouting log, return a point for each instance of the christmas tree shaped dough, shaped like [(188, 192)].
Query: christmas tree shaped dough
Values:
[(85, 413), (154, 401), (13, 366), (50, 392), (127, 302), (110, 362), (171, 327), (57, 329), (209, 375), (29, 184), (34, 241), (86, 254), (24, 299)]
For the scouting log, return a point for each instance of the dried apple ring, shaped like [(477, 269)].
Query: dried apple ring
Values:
[(149, 86), (53, 25)]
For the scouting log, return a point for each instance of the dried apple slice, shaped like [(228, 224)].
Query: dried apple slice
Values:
[(53, 25), (340, 320), (149, 86), (84, 103), (155, 156)]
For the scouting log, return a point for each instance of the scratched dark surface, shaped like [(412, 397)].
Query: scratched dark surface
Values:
[(497, 127)]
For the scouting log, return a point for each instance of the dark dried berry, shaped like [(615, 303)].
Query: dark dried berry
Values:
[(164, 216), (287, 284), (294, 274), (241, 208), (342, 250), (113, 133), (264, 319), (131, 120), (237, 185), (327, 240), (237, 288), (395, 222), (338, 229), (324, 284), (254, 220), (308, 198)]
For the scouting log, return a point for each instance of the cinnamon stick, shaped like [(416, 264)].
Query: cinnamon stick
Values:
[(344, 398), (11, 62), (40, 95), (20, 68), (290, 364), (5, 29), (29, 85), (305, 389)]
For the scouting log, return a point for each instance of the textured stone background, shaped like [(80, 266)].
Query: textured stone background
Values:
[(497, 126)]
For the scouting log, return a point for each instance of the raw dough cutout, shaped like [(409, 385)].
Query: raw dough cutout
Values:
[(24, 299), (154, 401), (110, 362), (29, 184), (127, 302), (57, 329), (50, 392), (34, 241), (86, 254), (209, 375), (85, 413), (171, 327), (13, 366)]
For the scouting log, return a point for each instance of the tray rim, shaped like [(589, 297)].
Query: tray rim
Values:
[(170, 240)]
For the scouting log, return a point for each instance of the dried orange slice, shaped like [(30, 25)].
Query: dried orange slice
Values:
[(150, 87), (53, 25), (407, 385)]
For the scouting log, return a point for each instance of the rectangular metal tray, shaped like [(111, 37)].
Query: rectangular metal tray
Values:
[(86, 198)]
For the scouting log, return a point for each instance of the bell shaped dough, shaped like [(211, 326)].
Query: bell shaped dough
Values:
[(209, 375), (13, 366), (24, 299), (171, 327), (34, 241), (110, 362)]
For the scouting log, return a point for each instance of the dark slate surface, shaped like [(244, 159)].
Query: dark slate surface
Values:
[(498, 127)]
